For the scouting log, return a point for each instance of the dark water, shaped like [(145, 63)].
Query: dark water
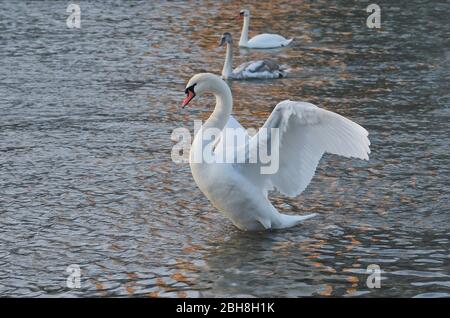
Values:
[(86, 175)]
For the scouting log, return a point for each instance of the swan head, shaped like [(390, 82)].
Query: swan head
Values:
[(203, 83), (226, 38), (244, 13)]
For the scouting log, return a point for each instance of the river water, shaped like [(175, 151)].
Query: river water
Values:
[(86, 175)]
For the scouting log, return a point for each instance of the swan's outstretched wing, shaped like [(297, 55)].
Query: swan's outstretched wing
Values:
[(305, 133), (230, 140)]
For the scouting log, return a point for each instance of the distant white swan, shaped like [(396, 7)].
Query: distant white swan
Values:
[(239, 190), (261, 41), (249, 70)]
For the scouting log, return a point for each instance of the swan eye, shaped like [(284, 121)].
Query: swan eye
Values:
[(190, 89)]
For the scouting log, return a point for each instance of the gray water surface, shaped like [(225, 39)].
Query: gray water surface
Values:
[(86, 175)]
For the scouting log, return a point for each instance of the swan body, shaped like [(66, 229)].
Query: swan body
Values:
[(239, 190), (267, 41), (261, 69), (261, 41)]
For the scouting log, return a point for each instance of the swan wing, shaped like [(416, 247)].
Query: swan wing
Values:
[(232, 137), (263, 66), (305, 132), (243, 67), (268, 40), (260, 69)]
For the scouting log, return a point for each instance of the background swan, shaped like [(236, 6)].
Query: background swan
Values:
[(239, 190), (249, 70), (261, 41)]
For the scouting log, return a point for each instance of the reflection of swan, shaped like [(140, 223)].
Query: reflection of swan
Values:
[(249, 70), (260, 41), (273, 261), (239, 189), (238, 278)]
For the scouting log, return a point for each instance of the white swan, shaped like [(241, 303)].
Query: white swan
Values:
[(239, 190), (249, 70), (261, 41)]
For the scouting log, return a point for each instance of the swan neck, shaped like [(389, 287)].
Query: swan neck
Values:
[(213, 125), (228, 65), (222, 110), (210, 132), (244, 34)]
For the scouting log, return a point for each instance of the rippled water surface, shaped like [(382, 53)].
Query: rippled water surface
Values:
[(86, 175)]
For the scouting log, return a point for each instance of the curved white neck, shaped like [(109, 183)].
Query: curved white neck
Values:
[(219, 117), (228, 65), (244, 33), (223, 108)]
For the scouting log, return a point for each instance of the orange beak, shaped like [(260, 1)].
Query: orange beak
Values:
[(188, 98)]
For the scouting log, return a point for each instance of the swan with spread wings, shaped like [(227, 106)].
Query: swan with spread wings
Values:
[(239, 190)]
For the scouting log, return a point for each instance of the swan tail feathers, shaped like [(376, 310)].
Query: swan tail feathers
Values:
[(287, 221), (287, 42)]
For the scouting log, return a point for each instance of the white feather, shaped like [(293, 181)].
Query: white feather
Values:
[(306, 133)]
